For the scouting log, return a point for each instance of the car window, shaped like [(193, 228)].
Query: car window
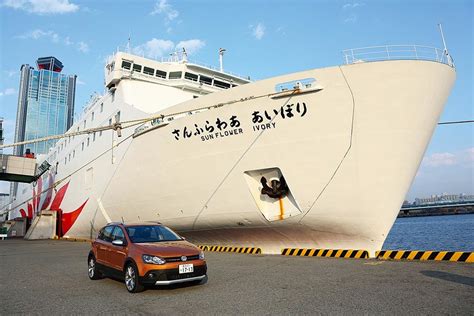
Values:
[(118, 234), (151, 233), (107, 234)]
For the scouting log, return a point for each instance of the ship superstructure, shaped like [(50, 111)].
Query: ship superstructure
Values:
[(318, 159)]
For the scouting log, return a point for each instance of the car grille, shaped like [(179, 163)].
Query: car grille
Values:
[(176, 259)]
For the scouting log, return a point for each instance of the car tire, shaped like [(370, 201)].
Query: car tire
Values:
[(93, 271), (132, 282)]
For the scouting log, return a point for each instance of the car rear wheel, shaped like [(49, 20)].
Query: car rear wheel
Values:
[(131, 279), (93, 272)]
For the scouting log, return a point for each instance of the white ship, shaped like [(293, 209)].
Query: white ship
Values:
[(316, 159)]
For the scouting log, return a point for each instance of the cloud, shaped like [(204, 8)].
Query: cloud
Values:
[(7, 91), (82, 47), (11, 73), (41, 7), (258, 31), (67, 41), (54, 38), (350, 11), (163, 7), (354, 5), (80, 82), (351, 19), (156, 48), (440, 159), (464, 158), (191, 46), (38, 34)]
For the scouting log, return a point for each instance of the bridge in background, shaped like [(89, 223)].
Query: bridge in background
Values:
[(436, 209)]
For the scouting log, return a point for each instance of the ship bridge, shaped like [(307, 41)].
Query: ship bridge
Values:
[(176, 71)]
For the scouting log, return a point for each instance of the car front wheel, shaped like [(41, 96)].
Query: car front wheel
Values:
[(131, 279), (93, 272)]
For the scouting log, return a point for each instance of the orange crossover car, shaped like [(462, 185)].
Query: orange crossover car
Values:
[(145, 254)]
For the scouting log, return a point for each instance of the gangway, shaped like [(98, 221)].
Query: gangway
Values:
[(21, 169)]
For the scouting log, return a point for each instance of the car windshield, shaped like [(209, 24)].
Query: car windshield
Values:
[(151, 233)]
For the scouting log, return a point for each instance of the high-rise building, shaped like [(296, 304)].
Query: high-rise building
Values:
[(45, 104), (1, 134)]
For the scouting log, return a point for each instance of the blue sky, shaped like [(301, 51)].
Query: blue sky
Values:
[(262, 38)]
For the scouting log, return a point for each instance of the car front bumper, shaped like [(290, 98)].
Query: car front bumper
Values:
[(172, 276)]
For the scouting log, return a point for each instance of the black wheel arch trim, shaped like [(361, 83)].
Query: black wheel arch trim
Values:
[(127, 261)]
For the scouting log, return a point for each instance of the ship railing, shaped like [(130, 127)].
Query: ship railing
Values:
[(396, 52)]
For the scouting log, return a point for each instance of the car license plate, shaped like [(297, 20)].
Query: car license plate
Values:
[(186, 268)]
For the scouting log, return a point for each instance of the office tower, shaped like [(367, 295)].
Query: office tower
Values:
[(45, 104), (1, 134)]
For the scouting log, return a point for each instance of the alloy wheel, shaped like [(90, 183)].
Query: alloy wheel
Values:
[(91, 267), (130, 278)]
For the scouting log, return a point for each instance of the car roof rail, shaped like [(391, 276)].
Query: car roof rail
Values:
[(113, 223)]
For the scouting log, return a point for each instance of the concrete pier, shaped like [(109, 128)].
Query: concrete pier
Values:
[(50, 277)]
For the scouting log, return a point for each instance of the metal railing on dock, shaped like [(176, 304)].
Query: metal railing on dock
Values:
[(396, 52)]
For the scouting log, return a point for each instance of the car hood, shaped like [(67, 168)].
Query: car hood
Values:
[(168, 249)]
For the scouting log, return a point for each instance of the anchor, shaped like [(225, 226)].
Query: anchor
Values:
[(278, 188)]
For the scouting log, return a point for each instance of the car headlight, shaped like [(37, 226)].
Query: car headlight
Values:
[(153, 259), (201, 255)]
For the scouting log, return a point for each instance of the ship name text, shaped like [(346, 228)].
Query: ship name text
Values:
[(223, 127)]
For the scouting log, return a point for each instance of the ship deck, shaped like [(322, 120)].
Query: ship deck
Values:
[(50, 276)]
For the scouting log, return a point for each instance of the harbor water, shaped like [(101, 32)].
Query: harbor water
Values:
[(450, 232)]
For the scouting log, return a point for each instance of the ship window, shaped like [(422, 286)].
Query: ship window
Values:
[(93, 137), (205, 80), (175, 75), (84, 124), (160, 74), (88, 141), (126, 65), (137, 67), (221, 84), (101, 107), (92, 118), (65, 160), (82, 146), (148, 71), (190, 76), (73, 153)]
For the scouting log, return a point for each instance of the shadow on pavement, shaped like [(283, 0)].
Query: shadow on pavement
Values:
[(451, 277), (159, 287)]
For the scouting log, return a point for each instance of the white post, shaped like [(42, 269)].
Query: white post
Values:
[(128, 42), (221, 55), (449, 60), (442, 37)]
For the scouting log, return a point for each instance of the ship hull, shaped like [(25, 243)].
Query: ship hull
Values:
[(348, 150)]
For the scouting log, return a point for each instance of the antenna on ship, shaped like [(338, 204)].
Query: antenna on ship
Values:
[(128, 42), (221, 56), (445, 51), (185, 55)]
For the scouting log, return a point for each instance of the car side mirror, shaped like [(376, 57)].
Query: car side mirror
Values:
[(118, 242)]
